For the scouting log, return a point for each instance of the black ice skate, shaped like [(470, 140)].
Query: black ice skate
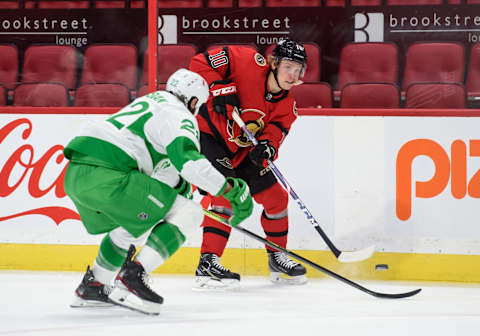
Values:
[(91, 293), (132, 290), (285, 270), (210, 274)]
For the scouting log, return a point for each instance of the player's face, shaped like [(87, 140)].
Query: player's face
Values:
[(288, 73)]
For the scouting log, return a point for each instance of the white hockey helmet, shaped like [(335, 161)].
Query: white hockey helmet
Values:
[(187, 85)]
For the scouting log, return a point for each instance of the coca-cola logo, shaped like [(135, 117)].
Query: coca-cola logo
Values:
[(31, 171)]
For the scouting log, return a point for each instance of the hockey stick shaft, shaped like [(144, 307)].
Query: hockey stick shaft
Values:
[(342, 256), (309, 262)]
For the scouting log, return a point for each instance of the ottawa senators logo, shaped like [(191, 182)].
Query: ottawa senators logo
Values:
[(260, 60), (253, 119)]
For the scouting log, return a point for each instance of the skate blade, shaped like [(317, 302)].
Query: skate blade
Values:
[(208, 283), (129, 300), (283, 279), (82, 303)]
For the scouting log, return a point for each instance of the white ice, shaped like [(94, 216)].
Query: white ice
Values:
[(37, 303)]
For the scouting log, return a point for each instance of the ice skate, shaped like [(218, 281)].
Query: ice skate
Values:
[(91, 293), (132, 288), (210, 274), (284, 270)]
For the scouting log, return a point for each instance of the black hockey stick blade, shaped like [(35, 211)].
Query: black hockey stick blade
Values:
[(311, 263)]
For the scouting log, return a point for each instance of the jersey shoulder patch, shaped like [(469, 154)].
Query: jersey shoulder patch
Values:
[(260, 60)]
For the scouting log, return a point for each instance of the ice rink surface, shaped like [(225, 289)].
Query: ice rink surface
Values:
[(37, 303)]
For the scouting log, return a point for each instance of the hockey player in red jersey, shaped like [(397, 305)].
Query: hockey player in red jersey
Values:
[(240, 77)]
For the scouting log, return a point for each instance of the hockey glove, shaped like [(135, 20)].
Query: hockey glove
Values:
[(184, 188), (240, 199), (225, 97), (262, 152)]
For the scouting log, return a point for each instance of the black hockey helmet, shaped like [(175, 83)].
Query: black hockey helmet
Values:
[(290, 50)]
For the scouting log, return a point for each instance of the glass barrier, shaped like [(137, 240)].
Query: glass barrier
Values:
[(361, 53)]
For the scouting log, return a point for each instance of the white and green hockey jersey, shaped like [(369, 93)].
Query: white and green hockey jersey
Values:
[(155, 134)]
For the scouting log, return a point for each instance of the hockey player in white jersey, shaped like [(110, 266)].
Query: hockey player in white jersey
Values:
[(129, 177)]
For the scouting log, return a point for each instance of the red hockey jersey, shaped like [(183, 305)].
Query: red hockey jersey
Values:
[(267, 116)]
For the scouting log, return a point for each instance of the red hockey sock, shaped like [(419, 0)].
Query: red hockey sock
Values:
[(276, 230), (215, 234)]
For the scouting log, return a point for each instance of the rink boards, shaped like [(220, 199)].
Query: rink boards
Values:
[(409, 185)]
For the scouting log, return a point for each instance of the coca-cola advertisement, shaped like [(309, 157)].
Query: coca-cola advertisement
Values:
[(34, 207)]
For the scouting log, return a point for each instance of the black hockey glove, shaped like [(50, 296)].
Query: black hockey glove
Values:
[(224, 93), (262, 152)]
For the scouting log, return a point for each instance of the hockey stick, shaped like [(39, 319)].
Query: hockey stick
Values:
[(311, 263), (342, 256)]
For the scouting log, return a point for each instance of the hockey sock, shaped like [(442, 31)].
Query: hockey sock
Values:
[(215, 234), (164, 240), (276, 230), (109, 260)]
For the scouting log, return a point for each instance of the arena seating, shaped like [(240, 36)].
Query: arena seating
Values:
[(52, 4), (110, 63), (370, 95), (313, 61), (50, 63), (3, 95), (313, 95), (221, 45), (368, 62), (435, 95), (143, 90), (473, 73), (170, 58), (9, 5), (9, 65), (289, 3), (102, 95), (413, 2), (40, 94), (434, 62)]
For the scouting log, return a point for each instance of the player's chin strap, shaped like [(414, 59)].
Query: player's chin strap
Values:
[(308, 262), (342, 256)]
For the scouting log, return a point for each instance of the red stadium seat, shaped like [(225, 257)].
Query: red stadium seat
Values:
[(137, 3), (8, 65), (313, 61), (435, 95), (50, 63), (52, 4), (40, 94), (9, 5), (143, 90), (474, 2), (180, 3), (170, 58), (115, 63), (335, 3), (102, 95), (368, 62), (442, 62), (220, 3), (370, 95), (249, 3), (473, 74), (110, 4), (3, 95), (289, 3), (221, 45), (413, 2), (313, 95), (366, 2)]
